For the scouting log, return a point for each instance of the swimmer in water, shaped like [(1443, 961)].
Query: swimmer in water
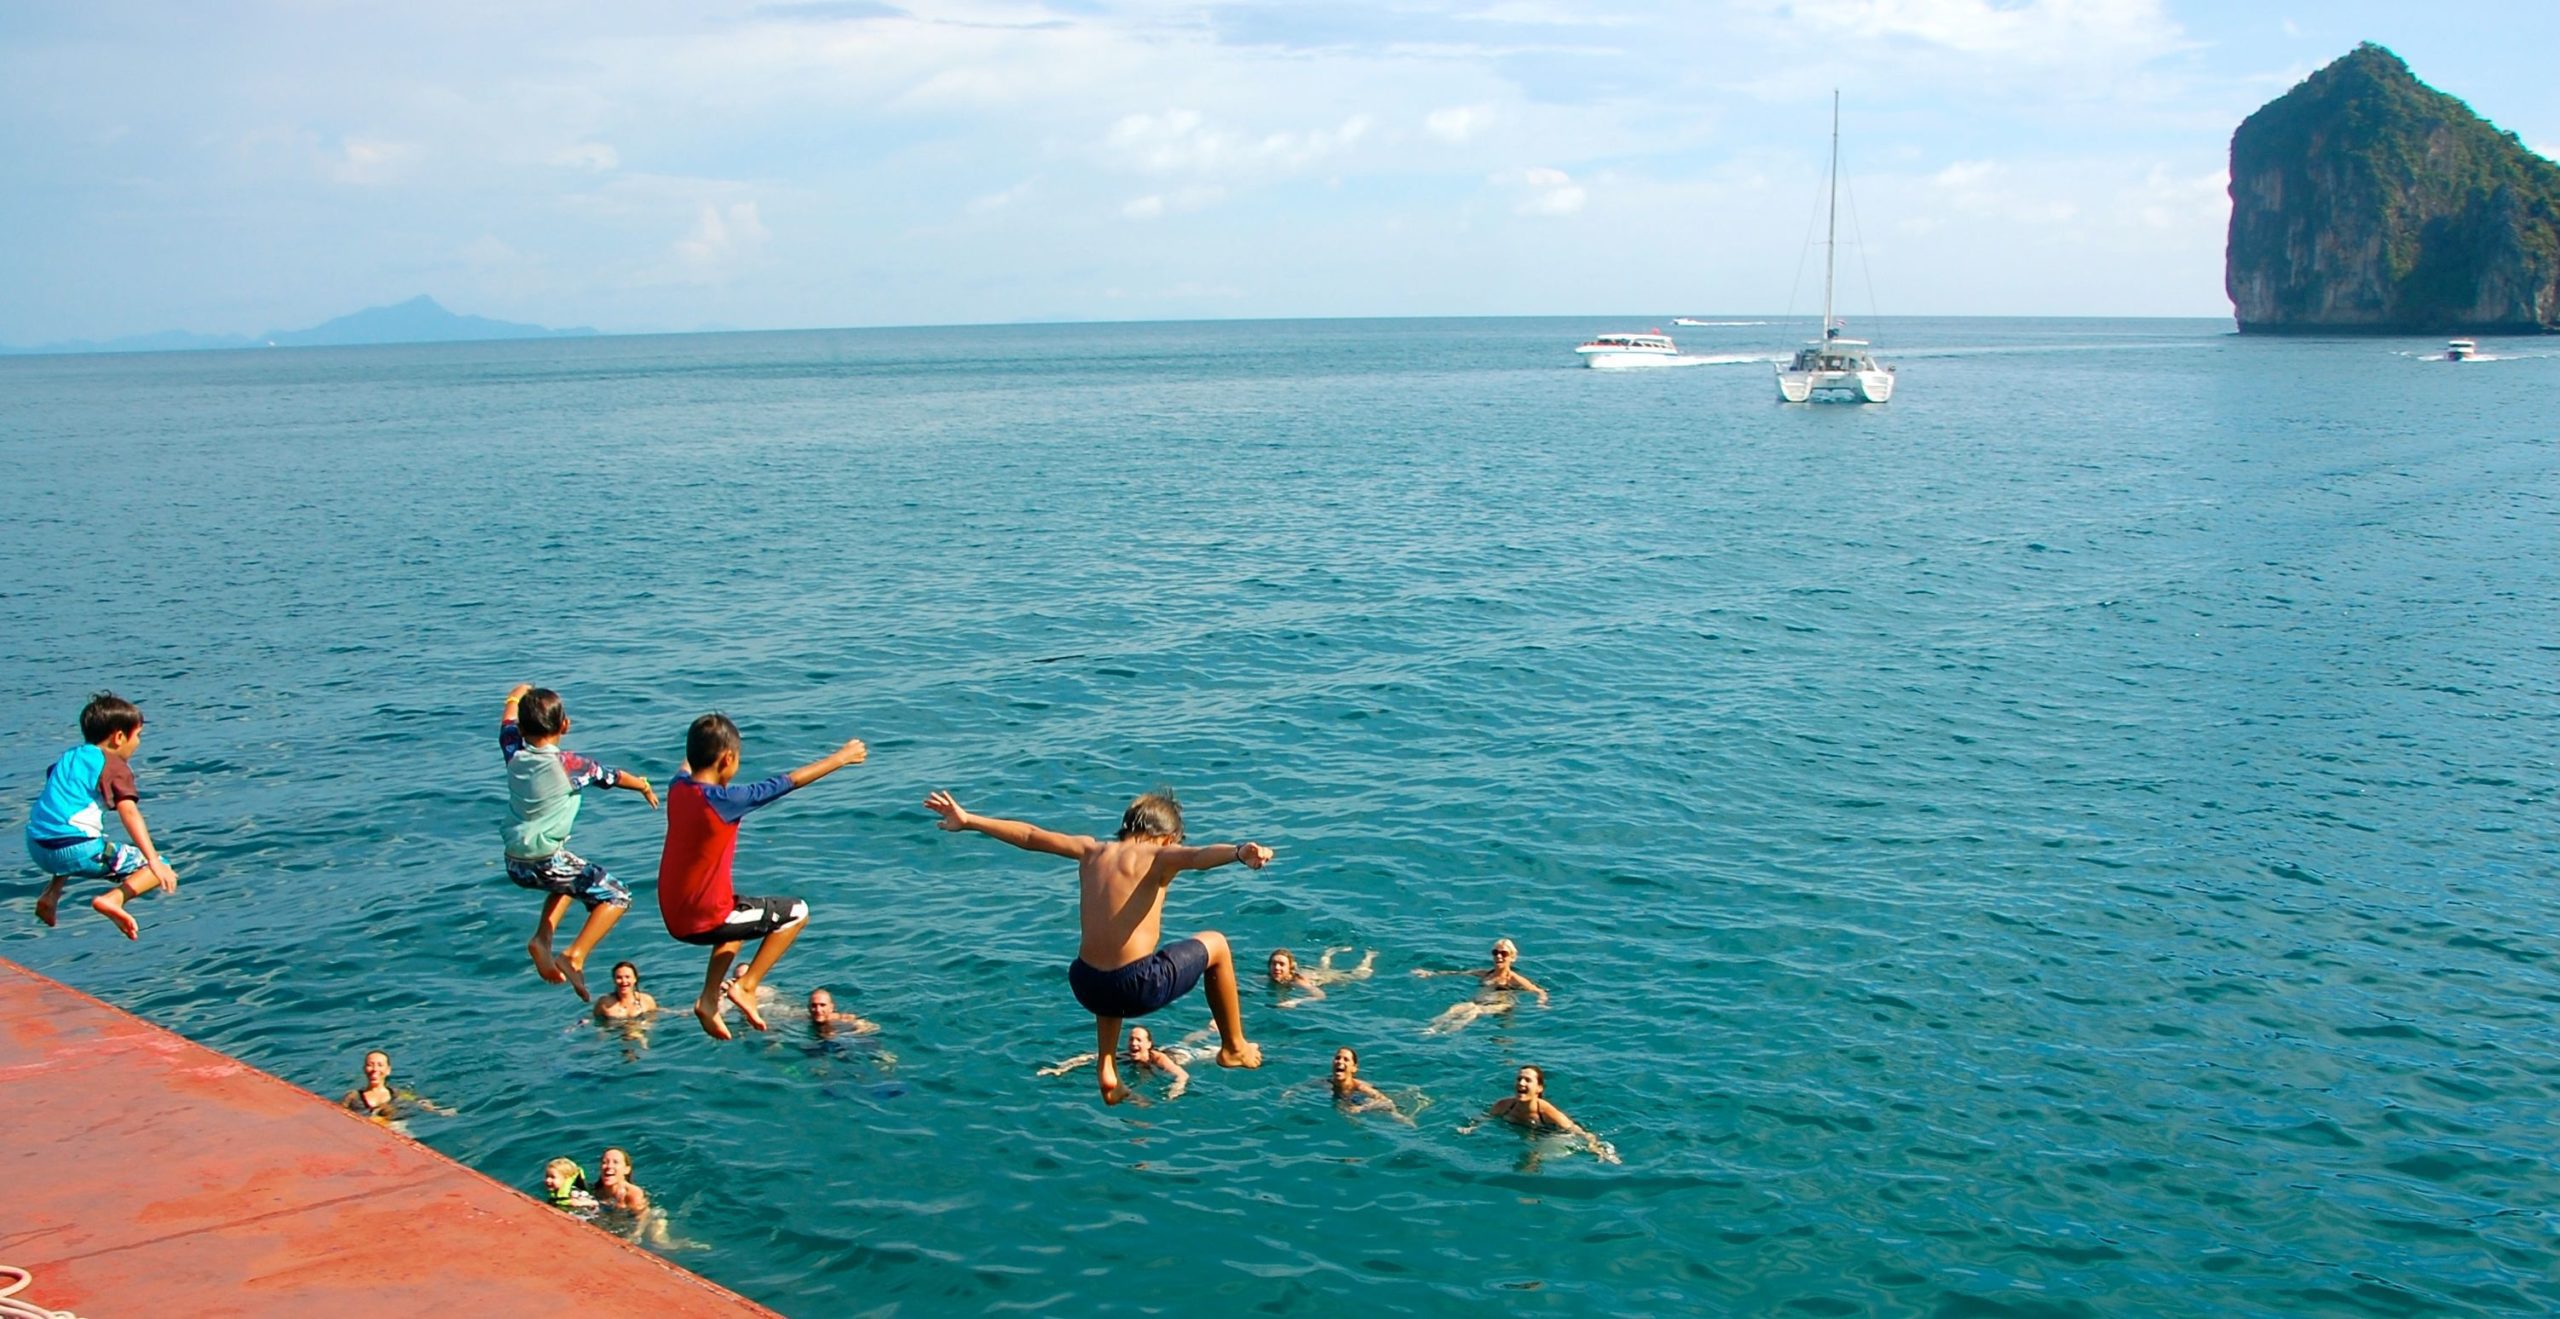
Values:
[(377, 1100), (1527, 1106), (1287, 974), (1498, 989), (1143, 1056), (566, 1187), (614, 1187), (827, 1023), (1353, 1095), (626, 1002)]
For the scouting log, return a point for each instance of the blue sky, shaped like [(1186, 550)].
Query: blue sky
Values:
[(654, 165)]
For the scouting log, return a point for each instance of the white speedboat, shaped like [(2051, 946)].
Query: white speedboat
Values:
[(1833, 366), (2460, 350), (1689, 320), (1614, 351)]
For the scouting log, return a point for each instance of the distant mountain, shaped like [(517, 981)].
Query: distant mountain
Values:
[(2366, 201), (419, 320)]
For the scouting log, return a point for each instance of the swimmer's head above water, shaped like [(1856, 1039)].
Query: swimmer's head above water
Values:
[(1346, 1067), (563, 1181), (1505, 951), (822, 1008), (1284, 966), (626, 978), (614, 1166), (1142, 1045), (377, 1068), (1531, 1084), (1155, 815)]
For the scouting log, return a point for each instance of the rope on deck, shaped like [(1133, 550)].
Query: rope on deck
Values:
[(16, 1280)]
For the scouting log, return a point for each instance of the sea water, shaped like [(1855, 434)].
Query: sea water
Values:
[(2076, 840)]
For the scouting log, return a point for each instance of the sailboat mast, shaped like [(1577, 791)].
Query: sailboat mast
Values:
[(1831, 232)]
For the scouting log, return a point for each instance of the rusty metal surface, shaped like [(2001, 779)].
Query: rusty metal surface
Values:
[(143, 1175)]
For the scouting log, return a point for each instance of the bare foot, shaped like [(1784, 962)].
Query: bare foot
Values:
[(709, 1015), (1247, 1054), (575, 974), (111, 906), (745, 998), (46, 905), (543, 965), (1118, 1094)]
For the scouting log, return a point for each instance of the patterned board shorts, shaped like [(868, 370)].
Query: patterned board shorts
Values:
[(86, 858), (564, 874)]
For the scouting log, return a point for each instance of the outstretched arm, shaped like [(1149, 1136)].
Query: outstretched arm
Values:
[(1254, 856), (851, 753), (1310, 991), (1069, 1065), (1532, 986), (1181, 1078), (515, 695), (1028, 837)]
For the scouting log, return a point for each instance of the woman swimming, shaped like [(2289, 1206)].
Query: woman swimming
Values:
[(1353, 1095), (1142, 1055), (1527, 1106), (377, 1100), (1498, 988), (626, 1002), (1310, 981)]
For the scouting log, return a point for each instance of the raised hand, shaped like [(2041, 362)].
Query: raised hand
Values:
[(942, 804), (852, 752)]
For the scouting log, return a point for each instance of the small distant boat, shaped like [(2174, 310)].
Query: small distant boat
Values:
[(1615, 351), (1831, 364), (1689, 320), (2460, 350)]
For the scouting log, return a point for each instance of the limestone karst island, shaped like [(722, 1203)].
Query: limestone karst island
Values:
[(2365, 201)]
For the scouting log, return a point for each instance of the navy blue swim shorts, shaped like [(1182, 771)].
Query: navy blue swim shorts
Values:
[(1142, 986)]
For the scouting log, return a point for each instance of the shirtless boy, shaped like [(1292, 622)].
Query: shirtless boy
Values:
[(1496, 988), (1119, 971)]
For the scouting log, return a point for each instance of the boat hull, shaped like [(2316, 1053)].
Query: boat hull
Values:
[(1626, 361), (1850, 386)]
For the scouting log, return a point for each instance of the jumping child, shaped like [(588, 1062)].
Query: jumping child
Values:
[(1119, 972), (694, 894), (66, 831), (543, 779)]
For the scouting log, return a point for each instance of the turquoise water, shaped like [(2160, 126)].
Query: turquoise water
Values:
[(2077, 840)]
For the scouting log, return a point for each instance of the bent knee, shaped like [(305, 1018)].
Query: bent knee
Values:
[(1216, 943)]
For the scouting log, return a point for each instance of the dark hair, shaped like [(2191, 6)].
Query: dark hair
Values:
[(1355, 1054), (635, 971), (106, 715), (539, 714), (710, 735), (1541, 1071), (1155, 815)]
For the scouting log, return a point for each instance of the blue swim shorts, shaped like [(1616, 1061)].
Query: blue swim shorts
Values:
[(1142, 986), (565, 874), (85, 858)]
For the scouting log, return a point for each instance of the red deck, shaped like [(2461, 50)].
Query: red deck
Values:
[(142, 1175)]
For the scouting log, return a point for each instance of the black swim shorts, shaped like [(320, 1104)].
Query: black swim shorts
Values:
[(750, 918), (1142, 986)]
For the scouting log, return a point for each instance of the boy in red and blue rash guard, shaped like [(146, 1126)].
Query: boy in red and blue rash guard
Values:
[(694, 893)]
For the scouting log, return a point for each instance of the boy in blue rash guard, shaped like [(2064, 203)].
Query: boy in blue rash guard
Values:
[(1119, 972), (66, 831), (543, 779)]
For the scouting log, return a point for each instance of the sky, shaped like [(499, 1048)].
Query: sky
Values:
[(656, 165)]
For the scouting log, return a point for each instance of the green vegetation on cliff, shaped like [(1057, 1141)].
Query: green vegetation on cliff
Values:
[(2364, 199)]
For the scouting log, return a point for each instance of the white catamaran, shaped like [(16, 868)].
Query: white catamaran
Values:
[(1831, 365)]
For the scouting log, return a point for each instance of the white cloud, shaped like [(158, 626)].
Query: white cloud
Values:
[(2037, 31), (594, 157), (1458, 123), (1157, 205), (990, 203), (1548, 192), (367, 161), (2168, 200), (1184, 141), (721, 237)]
